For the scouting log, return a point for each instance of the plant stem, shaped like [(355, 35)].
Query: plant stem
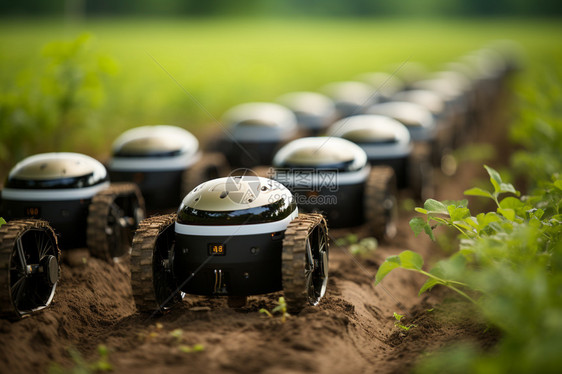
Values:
[(449, 283)]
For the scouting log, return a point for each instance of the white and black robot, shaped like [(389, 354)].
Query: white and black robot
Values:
[(331, 175), (235, 236), (387, 142), (166, 162), (254, 131), (73, 193)]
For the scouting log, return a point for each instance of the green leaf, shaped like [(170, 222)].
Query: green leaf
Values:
[(418, 225), (434, 206), (411, 260), (421, 210), (458, 214), (485, 219), (472, 221), (397, 316), (475, 191), (537, 213), (2, 221), (356, 249), (266, 312), (508, 187), (369, 243), (102, 350), (511, 202), (429, 232), (341, 242), (507, 213), (198, 347), (386, 267), (558, 184), (428, 285), (177, 333), (495, 178), (351, 238)]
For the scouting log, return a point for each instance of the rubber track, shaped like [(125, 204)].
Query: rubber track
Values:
[(144, 241), (294, 260), (97, 217), (420, 173), (196, 174), (9, 233), (380, 181)]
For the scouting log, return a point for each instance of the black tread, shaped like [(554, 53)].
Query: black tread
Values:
[(142, 276), (293, 259), (9, 233), (420, 173), (380, 186), (96, 237)]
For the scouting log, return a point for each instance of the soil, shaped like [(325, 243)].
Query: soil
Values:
[(351, 330)]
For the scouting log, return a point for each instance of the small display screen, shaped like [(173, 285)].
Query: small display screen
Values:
[(217, 249), (32, 212)]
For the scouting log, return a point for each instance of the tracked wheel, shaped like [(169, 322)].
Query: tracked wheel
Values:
[(29, 267), (305, 261), (154, 286), (114, 215), (210, 166), (380, 203), (420, 172)]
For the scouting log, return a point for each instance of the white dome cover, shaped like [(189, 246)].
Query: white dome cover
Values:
[(158, 138), (427, 98), (369, 129), (419, 120), (261, 122), (350, 92), (321, 151), (55, 165), (383, 84), (143, 141), (313, 110)]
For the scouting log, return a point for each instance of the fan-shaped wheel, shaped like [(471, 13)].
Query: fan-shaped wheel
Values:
[(29, 267), (154, 286), (305, 261), (113, 216)]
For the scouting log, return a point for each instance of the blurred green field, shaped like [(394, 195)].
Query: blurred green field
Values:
[(223, 62)]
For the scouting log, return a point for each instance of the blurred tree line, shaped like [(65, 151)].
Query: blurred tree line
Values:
[(350, 8)]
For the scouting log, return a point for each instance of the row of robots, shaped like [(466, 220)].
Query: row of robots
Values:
[(255, 203)]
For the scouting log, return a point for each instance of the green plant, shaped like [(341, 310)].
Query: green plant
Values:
[(81, 366), (347, 240), (509, 264), (102, 364), (58, 97), (281, 308), (538, 123), (2, 221), (399, 324), (191, 349), (356, 246), (177, 334), (158, 332)]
